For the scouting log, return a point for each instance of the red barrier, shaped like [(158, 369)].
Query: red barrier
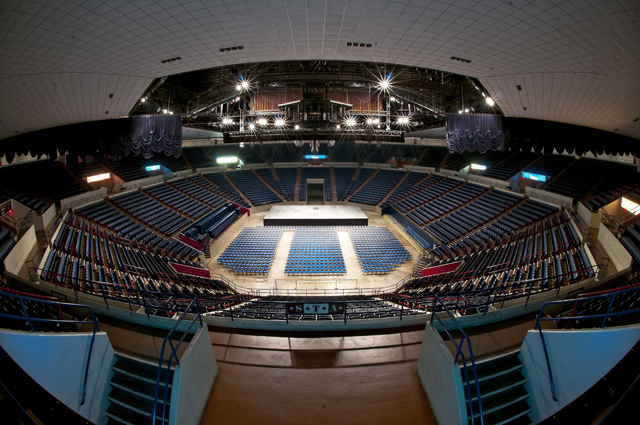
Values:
[(445, 268), (188, 241), (194, 271)]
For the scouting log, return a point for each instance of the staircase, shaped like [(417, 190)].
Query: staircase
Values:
[(504, 398), (132, 392), (298, 178), (237, 189), (363, 184), (334, 192), (393, 189)]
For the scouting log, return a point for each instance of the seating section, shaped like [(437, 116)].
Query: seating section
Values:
[(354, 307), (126, 170), (405, 185), (624, 181), (471, 216), (511, 166), (343, 151), (433, 157), (37, 184), (86, 169), (631, 241), (343, 178), (202, 194), (6, 245), (550, 165), (251, 252), (212, 225), (177, 200), (379, 252), (277, 185), (354, 184), (288, 178), (151, 212), (458, 161), (200, 157), (12, 306), (91, 260), (222, 187), (253, 188), (323, 173), (315, 251), (377, 187), (169, 162)]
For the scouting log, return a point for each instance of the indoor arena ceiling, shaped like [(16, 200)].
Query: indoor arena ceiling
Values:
[(71, 61)]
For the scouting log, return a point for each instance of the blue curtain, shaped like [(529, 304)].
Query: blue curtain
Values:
[(155, 134), (474, 133)]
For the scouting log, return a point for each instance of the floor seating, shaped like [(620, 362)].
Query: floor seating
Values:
[(251, 252), (315, 251), (378, 251)]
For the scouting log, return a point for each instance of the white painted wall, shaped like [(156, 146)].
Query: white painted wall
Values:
[(441, 380), (489, 181), (18, 255), (83, 198), (142, 182), (554, 198), (57, 362), (193, 380), (48, 216), (578, 359), (587, 217), (19, 210), (614, 249)]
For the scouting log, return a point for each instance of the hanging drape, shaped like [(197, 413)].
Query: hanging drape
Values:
[(139, 135), (474, 133)]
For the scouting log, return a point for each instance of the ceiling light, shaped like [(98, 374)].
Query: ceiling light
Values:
[(466, 111), (279, 122), (351, 122), (369, 121), (262, 121), (384, 84), (252, 126), (170, 112), (241, 145), (460, 111), (490, 101), (164, 111), (376, 121), (144, 99), (393, 99), (237, 98), (338, 126), (245, 85), (297, 127), (238, 87)]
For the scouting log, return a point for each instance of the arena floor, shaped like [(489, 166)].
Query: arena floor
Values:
[(354, 278)]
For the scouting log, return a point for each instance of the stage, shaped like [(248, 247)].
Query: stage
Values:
[(315, 215)]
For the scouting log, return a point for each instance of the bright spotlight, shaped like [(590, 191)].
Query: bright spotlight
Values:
[(241, 145), (466, 111), (393, 99), (237, 98), (297, 127), (144, 99), (164, 111), (170, 112), (279, 122), (238, 87), (338, 126), (351, 122), (252, 126), (403, 120), (245, 84), (369, 121), (384, 84), (460, 111), (490, 101), (262, 121), (376, 121)]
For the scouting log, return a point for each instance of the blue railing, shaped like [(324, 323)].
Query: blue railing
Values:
[(604, 316), (31, 321), (460, 353), (173, 355)]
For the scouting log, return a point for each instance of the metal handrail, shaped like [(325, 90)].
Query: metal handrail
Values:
[(460, 353), (604, 317), (59, 304), (174, 355)]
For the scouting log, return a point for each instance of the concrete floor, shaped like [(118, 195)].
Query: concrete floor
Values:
[(276, 279)]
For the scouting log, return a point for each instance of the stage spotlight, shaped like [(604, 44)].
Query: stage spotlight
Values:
[(466, 111), (384, 84), (238, 87), (338, 127), (393, 99), (376, 121), (262, 121), (350, 122), (170, 112), (279, 122), (252, 126), (297, 127), (460, 111), (144, 99), (241, 145), (403, 120), (237, 98), (245, 84), (369, 121), (164, 111), (490, 101)]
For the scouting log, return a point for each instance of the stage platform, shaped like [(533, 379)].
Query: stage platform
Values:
[(315, 215)]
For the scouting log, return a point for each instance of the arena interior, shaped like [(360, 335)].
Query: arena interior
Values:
[(342, 211)]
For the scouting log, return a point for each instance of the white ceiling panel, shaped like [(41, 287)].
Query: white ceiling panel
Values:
[(578, 61)]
